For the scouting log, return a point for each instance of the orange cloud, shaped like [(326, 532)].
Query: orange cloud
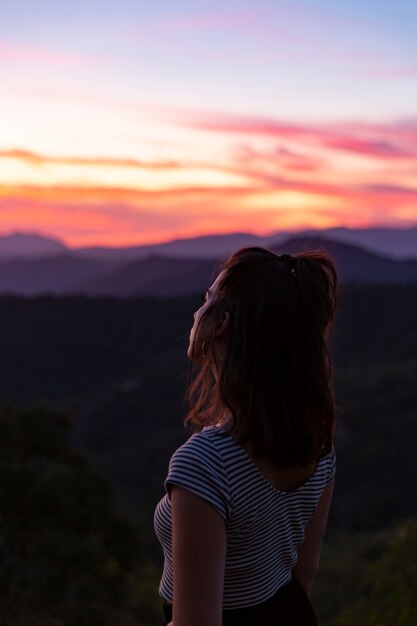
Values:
[(40, 159), (271, 175), (26, 167), (117, 216)]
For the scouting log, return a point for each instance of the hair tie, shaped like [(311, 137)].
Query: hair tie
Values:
[(292, 261)]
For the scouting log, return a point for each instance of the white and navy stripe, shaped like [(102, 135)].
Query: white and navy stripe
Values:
[(264, 525)]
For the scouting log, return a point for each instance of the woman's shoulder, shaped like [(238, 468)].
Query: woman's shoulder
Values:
[(198, 466), (208, 435), (204, 444)]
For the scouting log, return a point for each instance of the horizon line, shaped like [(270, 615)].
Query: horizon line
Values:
[(203, 234)]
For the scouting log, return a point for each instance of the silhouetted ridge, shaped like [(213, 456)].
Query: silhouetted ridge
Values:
[(164, 276), (354, 263)]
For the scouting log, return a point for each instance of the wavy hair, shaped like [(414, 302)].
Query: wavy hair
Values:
[(276, 374)]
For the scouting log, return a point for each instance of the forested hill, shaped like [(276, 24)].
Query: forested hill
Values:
[(120, 366)]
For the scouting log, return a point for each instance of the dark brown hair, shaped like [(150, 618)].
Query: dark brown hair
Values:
[(276, 375)]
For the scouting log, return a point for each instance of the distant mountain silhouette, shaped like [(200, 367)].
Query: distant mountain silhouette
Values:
[(353, 263), (204, 247), (399, 243), (389, 242), (21, 244), (166, 277)]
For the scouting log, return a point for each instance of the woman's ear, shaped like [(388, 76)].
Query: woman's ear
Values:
[(222, 325)]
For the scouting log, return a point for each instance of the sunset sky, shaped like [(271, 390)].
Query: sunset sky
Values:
[(134, 122)]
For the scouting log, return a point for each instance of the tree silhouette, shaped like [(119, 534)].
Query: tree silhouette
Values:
[(66, 556)]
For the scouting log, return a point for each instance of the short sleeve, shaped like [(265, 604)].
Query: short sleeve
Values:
[(198, 466), (331, 466)]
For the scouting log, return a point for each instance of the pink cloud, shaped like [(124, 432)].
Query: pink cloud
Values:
[(279, 157), (30, 54), (383, 141), (397, 190), (246, 126), (378, 148)]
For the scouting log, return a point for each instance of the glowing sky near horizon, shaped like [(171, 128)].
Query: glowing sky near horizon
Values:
[(137, 122)]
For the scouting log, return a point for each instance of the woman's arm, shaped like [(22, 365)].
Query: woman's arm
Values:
[(309, 551), (199, 554)]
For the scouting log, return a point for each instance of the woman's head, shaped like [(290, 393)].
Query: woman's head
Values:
[(261, 343)]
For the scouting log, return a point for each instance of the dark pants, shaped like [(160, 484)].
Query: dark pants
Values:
[(289, 606)]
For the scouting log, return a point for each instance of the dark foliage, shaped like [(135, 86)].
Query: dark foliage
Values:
[(65, 553)]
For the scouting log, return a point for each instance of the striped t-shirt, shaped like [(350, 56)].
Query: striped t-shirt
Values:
[(264, 525)]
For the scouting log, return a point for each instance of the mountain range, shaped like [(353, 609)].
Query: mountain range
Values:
[(160, 275), (395, 243)]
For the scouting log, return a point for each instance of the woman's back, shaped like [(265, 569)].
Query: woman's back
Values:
[(264, 524)]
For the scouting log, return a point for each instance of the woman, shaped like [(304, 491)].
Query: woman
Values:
[(248, 494)]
